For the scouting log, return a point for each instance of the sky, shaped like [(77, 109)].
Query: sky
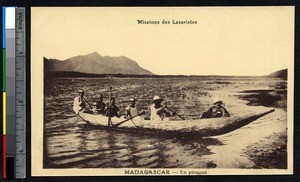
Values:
[(238, 41)]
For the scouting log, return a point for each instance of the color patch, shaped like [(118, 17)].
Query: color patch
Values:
[(4, 156), (10, 17), (3, 29), (4, 113), (4, 69)]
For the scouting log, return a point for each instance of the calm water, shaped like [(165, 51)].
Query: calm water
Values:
[(69, 142)]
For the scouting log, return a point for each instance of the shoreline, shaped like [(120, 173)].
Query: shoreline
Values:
[(73, 74), (270, 152), (261, 144)]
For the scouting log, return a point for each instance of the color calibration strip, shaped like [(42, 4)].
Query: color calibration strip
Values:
[(8, 90), (3, 95), (14, 105)]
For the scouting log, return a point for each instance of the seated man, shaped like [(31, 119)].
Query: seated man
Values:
[(79, 103), (100, 105), (216, 111), (131, 110), (94, 109), (112, 110), (158, 112)]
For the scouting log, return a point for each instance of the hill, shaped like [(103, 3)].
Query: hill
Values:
[(94, 63), (279, 74)]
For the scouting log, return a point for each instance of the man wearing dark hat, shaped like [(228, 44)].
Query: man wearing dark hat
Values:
[(131, 110), (94, 109), (158, 111), (79, 103), (101, 105)]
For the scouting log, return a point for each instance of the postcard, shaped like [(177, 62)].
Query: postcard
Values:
[(139, 91)]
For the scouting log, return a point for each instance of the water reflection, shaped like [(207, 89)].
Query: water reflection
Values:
[(82, 146)]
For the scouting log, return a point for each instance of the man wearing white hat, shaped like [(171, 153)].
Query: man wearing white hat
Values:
[(158, 112), (131, 110), (79, 104), (216, 111)]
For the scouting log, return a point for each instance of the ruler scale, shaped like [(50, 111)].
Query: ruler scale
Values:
[(14, 92), (20, 95)]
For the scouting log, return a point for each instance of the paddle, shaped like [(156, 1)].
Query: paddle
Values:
[(109, 123), (118, 124), (87, 102), (175, 113)]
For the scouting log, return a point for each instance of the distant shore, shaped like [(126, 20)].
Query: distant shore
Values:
[(91, 75)]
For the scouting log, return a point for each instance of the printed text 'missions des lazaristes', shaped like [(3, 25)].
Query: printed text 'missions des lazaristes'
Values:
[(166, 22)]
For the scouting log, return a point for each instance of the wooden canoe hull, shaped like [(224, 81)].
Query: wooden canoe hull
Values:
[(199, 127)]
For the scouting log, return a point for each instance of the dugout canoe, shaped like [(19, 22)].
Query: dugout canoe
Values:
[(199, 127)]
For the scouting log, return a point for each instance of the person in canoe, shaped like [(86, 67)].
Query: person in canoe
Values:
[(79, 102), (101, 105), (94, 109), (112, 110), (216, 111), (158, 111), (131, 110)]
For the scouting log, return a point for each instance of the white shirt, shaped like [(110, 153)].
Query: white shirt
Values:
[(155, 112), (132, 110), (76, 104)]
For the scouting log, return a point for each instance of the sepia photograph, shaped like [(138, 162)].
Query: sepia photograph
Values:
[(162, 90)]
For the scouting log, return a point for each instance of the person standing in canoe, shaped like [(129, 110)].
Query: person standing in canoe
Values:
[(112, 110), (79, 103), (158, 111), (131, 110), (216, 111), (101, 105)]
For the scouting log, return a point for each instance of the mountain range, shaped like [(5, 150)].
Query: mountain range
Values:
[(94, 63)]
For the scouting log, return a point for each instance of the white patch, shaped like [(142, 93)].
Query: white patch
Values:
[(10, 20)]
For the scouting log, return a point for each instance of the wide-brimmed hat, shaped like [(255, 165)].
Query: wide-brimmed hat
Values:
[(94, 103), (217, 100), (132, 99), (156, 98), (80, 91)]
